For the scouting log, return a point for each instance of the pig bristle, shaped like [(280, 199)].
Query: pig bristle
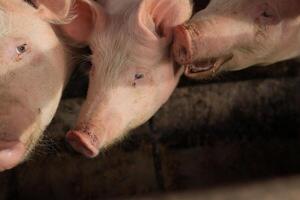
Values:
[(43, 146), (71, 14), (47, 146), (32, 142)]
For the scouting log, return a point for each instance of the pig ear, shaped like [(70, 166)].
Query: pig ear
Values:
[(160, 17), (56, 11), (75, 18)]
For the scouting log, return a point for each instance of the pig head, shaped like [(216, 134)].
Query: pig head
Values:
[(235, 34), (34, 67), (133, 74)]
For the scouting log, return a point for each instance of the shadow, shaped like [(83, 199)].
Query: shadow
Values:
[(200, 5)]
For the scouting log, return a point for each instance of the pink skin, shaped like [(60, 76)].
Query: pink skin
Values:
[(34, 67), (133, 74), (235, 34)]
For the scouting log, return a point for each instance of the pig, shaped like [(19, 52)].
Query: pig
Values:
[(133, 73), (35, 66), (235, 34)]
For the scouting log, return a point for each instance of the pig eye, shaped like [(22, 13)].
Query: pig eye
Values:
[(138, 76), (266, 14), (22, 49), (31, 2)]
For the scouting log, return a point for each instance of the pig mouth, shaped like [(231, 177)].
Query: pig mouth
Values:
[(206, 68)]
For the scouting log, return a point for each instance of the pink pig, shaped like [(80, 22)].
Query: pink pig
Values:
[(235, 34), (133, 74), (35, 66)]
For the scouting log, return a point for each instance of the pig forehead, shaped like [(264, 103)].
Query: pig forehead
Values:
[(124, 43), (124, 38), (123, 50), (12, 15), (118, 44)]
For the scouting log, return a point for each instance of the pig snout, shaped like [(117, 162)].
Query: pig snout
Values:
[(201, 48), (84, 141), (11, 154), (94, 131), (195, 50), (183, 50)]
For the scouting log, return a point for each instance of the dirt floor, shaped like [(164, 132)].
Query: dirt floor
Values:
[(227, 137)]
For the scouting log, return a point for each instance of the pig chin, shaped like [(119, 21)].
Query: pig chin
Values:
[(18, 130)]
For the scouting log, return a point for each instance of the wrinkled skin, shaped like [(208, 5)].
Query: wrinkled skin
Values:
[(133, 74), (233, 35), (34, 66)]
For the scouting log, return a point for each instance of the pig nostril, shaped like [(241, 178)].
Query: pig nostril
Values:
[(182, 55), (183, 51)]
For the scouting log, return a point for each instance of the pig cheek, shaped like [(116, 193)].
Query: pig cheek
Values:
[(45, 88), (143, 107), (267, 39), (18, 121), (147, 100), (139, 104), (8, 53), (168, 76)]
